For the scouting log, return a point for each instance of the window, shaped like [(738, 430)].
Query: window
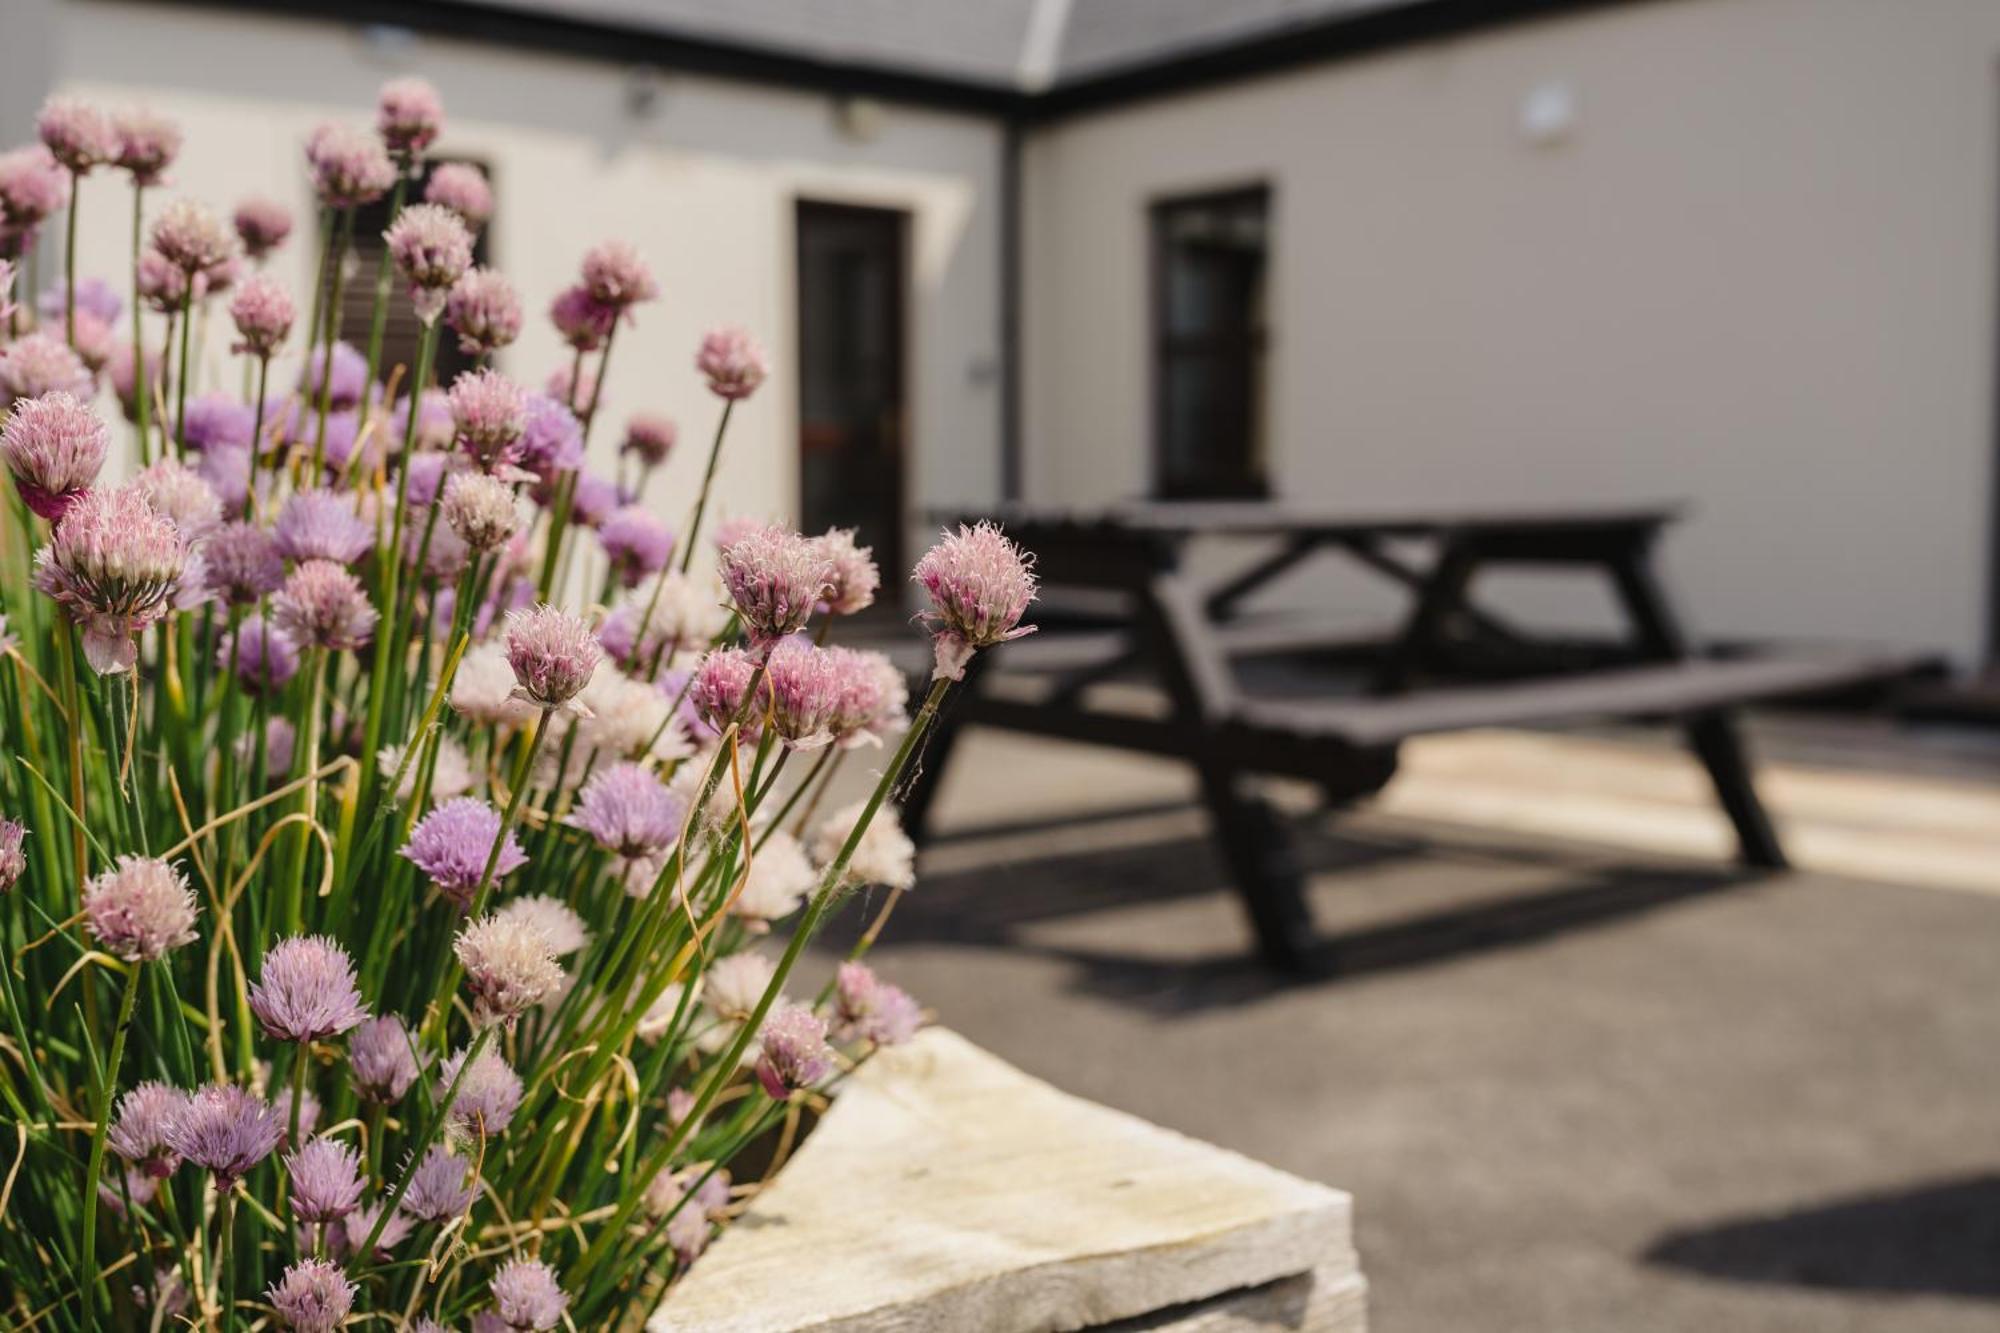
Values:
[(399, 334), (1209, 255)]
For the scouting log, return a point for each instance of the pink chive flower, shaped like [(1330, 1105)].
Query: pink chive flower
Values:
[(462, 188), (489, 413), (262, 225), (480, 510), (487, 1097), (733, 363), (322, 605), (313, 1296), (732, 530), (13, 859), (33, 185), (432, 250), (409, 115), (346, 1235), (76, 134), (803, 684), (262, 656), (576, 386), (636, 543), (484, 310), (855, 575), (321, 525), (552, 441), (867, 1008), (775, 578), (39, 364), (306, 990), (452, 843), (381, 1059), (182, 495), (94, 341), (54, 446), (629, 812), (795, 1054), (553, 653), (581, 319), (140, 911), (349, 168), (8, 306), (93, 296), (872, 697), (163, 284), (649, 436), (191, 238), (243, 563), (720, 685), (616, 277), (509, 968), (114, 566), (326, 1180), (148, 143), (527, 1296), (442, 1186), (263, 312), (139, 1133), (226, 1130), (979, 584)]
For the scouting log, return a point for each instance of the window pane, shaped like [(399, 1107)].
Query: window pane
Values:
[(1209, 332)]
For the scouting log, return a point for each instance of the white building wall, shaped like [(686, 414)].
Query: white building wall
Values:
[(1759, 275), (704, 185)]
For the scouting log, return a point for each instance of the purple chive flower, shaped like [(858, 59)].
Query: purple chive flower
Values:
[(558, 923), (263, 656), (191, 238), (489, 413), (381, 1059), (717, 692), (179, 493), (263, 312), (94, 296), (451, 844), (322, 605), (147, 143), (733, 363), (114, 567), (13, 860), (551, 439), (226, 467), (795, 1053), (409, 116), (855, 575), (487, 1097), (139, 1133), (243, 562), (442, 1186), (140, 911), (980, 584), (40, 364), (427, 474), (867, 1008), (326, 1180), (216, 420), (509, 968), (553, 654), (581, 319), (226, 1130), (55, 447), (636, 543), (346, 1235), (575, 385), (76, 134), (462, 188), (594, 500), (346, 383), (349, 168), (484, 310), (306, 990), (527, 1296), (281, 1107), (804, 691), (480, 510), (313, 1296), (775, 578), (322, 525), (262, 225), (33, 185), (649, 436), (629, 812), (432, 250)]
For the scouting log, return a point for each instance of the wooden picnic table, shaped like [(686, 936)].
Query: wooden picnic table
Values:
[(1186, 633)]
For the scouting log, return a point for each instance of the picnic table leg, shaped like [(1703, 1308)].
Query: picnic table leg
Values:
[(1441, 594), (1258, 850)]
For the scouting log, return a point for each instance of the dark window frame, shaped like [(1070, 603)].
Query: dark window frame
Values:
[(1252, 344)]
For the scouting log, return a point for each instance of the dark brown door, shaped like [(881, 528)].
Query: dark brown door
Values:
[(851, 375)]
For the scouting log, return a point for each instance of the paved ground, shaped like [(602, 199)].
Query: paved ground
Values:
[(1570, 1090)]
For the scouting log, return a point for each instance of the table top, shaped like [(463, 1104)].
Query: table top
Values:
[(1179, 519)]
